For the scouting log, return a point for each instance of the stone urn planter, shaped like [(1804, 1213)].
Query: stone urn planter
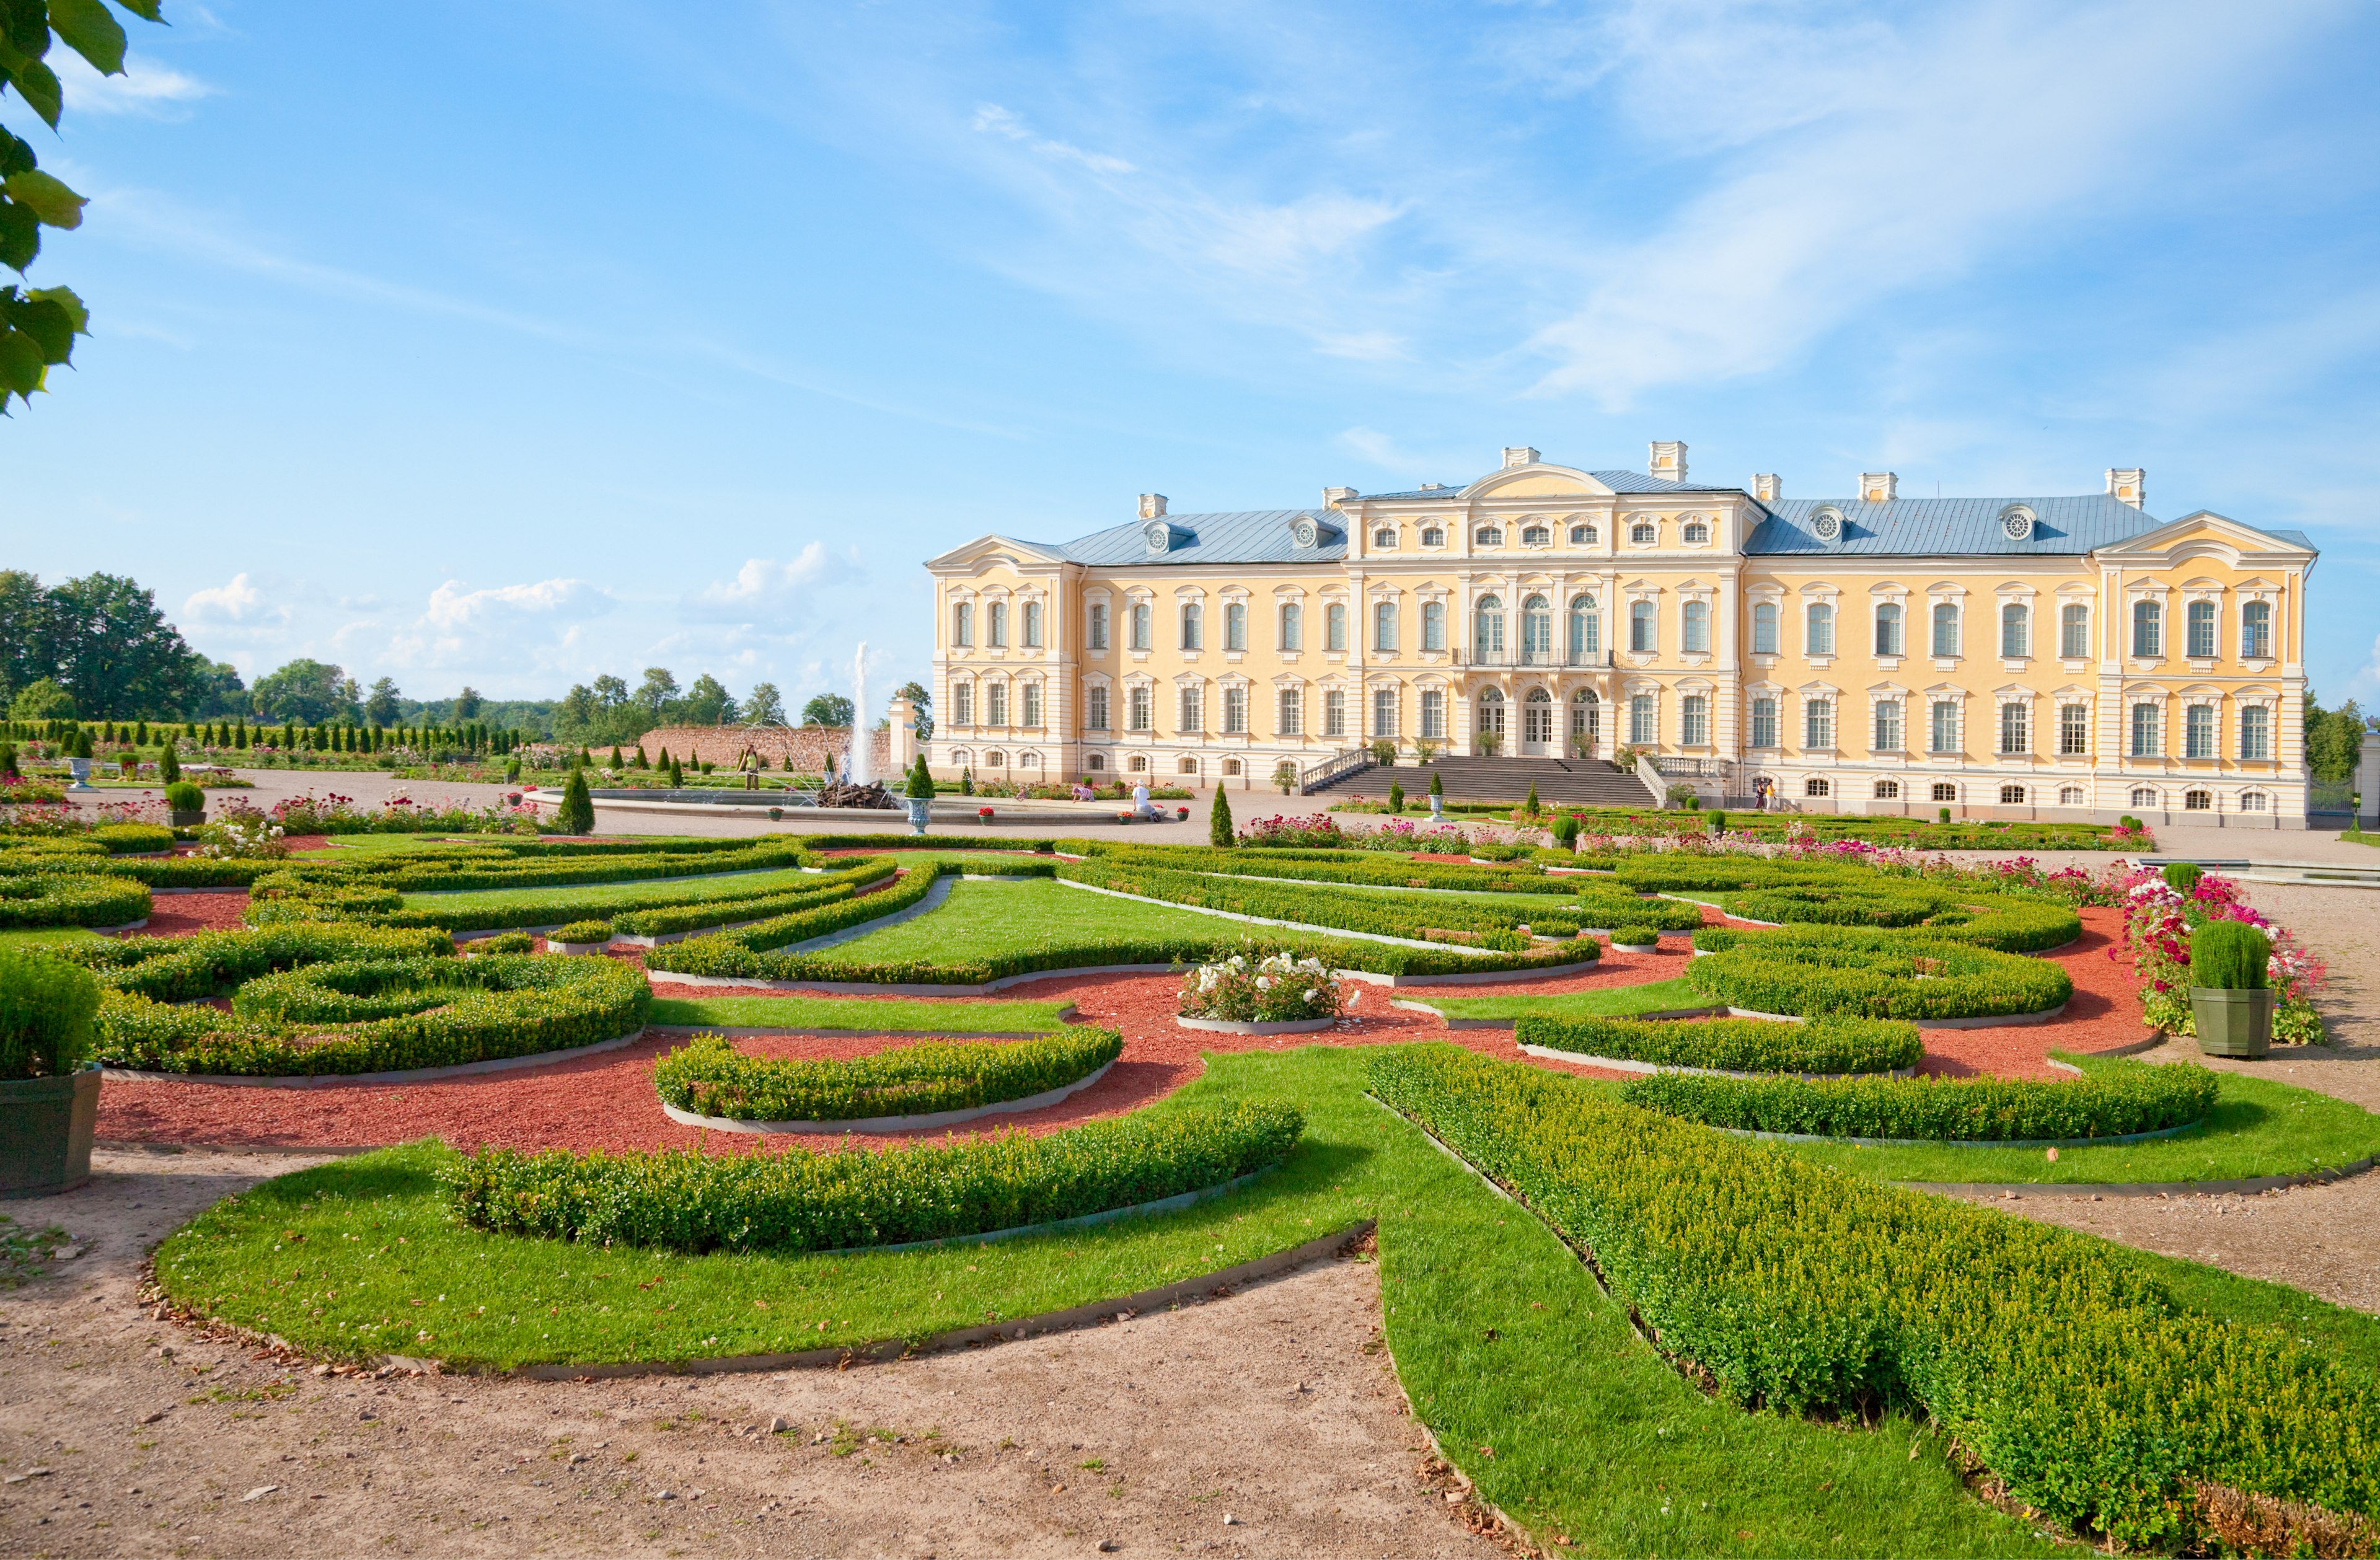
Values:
[(1438, 810), (82, 768), (921, 808), (46, 1125), (2233, 1023)]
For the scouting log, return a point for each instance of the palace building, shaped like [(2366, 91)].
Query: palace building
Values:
[(2056, 657)]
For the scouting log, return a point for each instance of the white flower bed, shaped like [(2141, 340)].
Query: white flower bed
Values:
[(1260, 988)]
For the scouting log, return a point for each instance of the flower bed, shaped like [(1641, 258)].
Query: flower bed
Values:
[(1262, 985), (2116, 1099), (1812, 971), (1822, 1045), (440, 1013), (858, 1197), (58, 899), (2158, 919), (2054, 1362), (709, 1076)]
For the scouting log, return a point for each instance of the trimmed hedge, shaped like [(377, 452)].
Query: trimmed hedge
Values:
[(1415, 919), (494, 1006), (720, 912), (181, 969), (120, 838), (1818, 971), (46, 1007), (2115, 1100), (709, 1077), (176, 871), (727, 953), (435, 871), (1822, 1045), (57, 899), (2048, 1356), (929, 842), (581, 931), (1988, 920), (793, 1202)]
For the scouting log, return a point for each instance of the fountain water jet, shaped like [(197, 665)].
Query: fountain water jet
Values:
[(858, 766)]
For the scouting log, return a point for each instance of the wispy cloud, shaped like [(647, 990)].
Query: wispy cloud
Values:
[(147, 88), (992, 119), (239, 602), (766, 585)]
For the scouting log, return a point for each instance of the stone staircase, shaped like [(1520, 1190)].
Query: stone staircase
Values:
[(1583, 782)]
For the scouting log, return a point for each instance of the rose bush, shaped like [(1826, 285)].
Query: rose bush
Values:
[(1260, 986)]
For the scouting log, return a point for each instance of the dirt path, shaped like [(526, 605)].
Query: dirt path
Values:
[(2323, 1239), (1256, 1425)]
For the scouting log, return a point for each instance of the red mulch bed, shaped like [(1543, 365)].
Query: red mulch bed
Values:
[(178, 915), (607, 1101)]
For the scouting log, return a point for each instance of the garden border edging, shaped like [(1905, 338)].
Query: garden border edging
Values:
[(409, 1075), (1256, 1026), (1629, 1064), (920, 1123), (2144, 1188)]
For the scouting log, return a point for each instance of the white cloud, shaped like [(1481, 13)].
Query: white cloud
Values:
[(765, 585), (1364, 346), (152, 91), (992, 119), (454, 608), (240, 604)]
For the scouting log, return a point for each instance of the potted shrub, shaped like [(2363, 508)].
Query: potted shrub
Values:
[(2229, 1002), (185, 805), (49, 1094), (1436, 796), (918, 794)]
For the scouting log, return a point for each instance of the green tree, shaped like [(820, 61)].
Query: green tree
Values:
[(2334, 740), (656, 693), (385, 703), (308, 690), (466, 704), (765, 707), (40, 699), (115, 651), (38, 325), (24, 631), (921, 696), (708, 703), (827, 709), (1219, 820), (576, 813)]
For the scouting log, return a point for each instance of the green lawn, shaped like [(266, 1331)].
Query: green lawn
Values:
[(1533, 1381), (639, 893), (1607, 1002), (2259, 1126), (40, 936), (982, 919), (861, 1015)]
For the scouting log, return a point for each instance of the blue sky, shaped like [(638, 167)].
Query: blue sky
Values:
[(512, 345)]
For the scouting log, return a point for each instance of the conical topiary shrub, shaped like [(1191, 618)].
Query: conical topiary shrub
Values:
[(1219, 820), (576, 815)]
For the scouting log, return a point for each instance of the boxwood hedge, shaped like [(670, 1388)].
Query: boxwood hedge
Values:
[(2115, 1100), (122, 838), (57, 899), (2061, 1365), (709, 1077), (798, 1201), (1822, 1045), (1814, 971), (210, 962), (1988, 920), (739, 951)]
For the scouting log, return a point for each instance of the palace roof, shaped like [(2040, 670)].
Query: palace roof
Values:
[(1234, 536), (1937, 528)]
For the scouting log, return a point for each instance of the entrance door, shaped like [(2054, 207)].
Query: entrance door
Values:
[(1537, 723), (1586, 724), (1488, 720)]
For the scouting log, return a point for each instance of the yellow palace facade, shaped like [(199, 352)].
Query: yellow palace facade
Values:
[(2052, 657)]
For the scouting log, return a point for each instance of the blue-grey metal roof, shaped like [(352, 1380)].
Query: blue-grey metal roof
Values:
[(1949, 527), (2296, 537), (1240, 536), (1618, 481)]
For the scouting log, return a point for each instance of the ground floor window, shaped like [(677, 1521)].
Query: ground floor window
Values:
[(1188, 766), (1887, 790), (1095, 763), (2197, 801), (995, 760), (1139, 764), (1816, 788), (1944, 791), (2253, 801), (1230, 766), (2069, 795), (2143, 796), (2011, 796)]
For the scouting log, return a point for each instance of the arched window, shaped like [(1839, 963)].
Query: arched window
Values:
[(1137, 763), (1887, 629), (1384, 540), (2255, 732), (1815, 786), (2256, 631), (1032, 624), (2253, 801), (2200, 621), (1946, 627), (1098, 626), (1695, 533), (2011, 796), (995, 760), (2074, 630), (1384, 624), (2145, 796), (1095, 763), (1694, 627), (1235, 625), (1433, 536), (962, 624), (1819, 630), (1488, 536), (1194, 625), (1643, 533), (1586, 630), (1643, 628), (1487, 715), (1536, 536), (1586, 722), (2016, 630), (1334, 626), (995, 626), (1887, 790), (1487, 627), (1944, 791), (1537, 630), (1433, 626), (1293, 625), (2069, 795), (1538, 718), (1764, 628), (1140, 624), (1189, 765), (2147, 626), (1230, 766), (2198, 801), (1582, 536)]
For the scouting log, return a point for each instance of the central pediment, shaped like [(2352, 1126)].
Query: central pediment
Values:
[(1538, 481)]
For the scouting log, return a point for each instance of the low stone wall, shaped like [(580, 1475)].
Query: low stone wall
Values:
[(810, 746)]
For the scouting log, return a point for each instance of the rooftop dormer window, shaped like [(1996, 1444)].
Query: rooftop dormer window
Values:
[(2016, 523), (1827, 525), (1303, 531)]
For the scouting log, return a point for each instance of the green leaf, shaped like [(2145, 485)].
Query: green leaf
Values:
[(16, 156), (91, 31), (67, 300), (21, 234), (21, 364), (26, 24), (145, 9), (52, 202), (40, 85), (51, 328)]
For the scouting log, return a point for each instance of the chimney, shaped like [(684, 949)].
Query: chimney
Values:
[(1669, 460), (1333, 497), (1519, 455), (1151, 506), (2129, 486), (1767, 488), (1878, 487)]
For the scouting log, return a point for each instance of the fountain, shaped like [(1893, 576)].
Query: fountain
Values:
[(857, 788)]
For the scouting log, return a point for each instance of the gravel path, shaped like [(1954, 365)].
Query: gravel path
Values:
[(1273, 1410)]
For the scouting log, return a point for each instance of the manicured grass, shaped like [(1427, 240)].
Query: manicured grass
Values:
[(41, 936), (2259, 1126), (694, 888), (1499, 1334), (860, 1015), (983, 918), (1607, 1002)]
